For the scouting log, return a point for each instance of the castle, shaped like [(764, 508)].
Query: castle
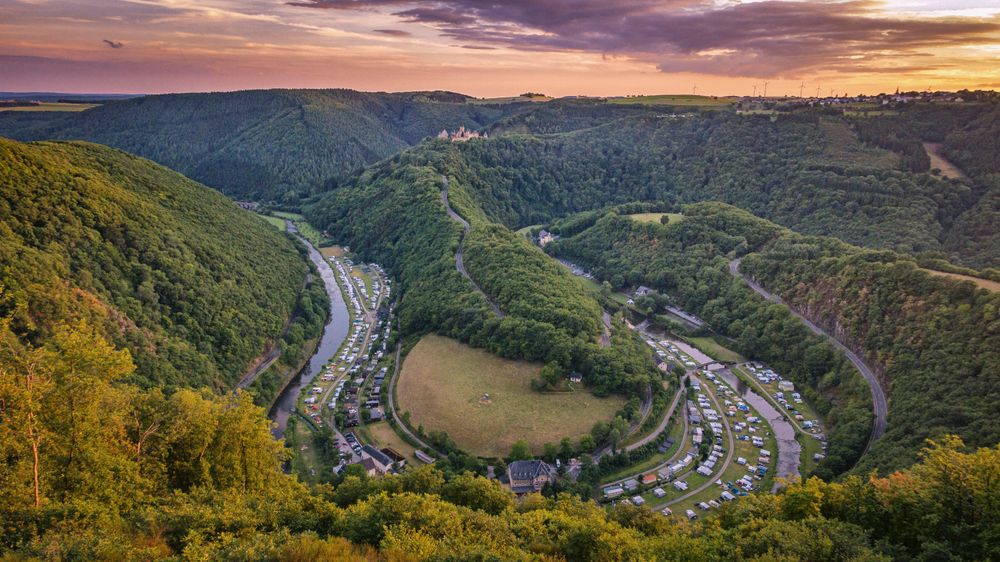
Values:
[(461, 135)]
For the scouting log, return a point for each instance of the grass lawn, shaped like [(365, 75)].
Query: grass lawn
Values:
[(52, 106), (655, 217), (275, 221), (676, 99), (383, 434), (716, 351), (442, 382)]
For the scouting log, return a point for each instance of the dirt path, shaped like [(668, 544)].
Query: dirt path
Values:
[(880, 407), (459, 254)]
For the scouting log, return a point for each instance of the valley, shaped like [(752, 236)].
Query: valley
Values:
[(638, 327)]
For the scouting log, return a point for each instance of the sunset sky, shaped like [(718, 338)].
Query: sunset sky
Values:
[(484, 48)]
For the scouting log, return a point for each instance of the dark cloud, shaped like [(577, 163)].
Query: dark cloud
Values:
[(479, 47), (114, 44), (769, 39), (393, 32)]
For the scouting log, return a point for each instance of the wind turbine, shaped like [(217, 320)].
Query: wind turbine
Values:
[(765, 88), (801, 86)]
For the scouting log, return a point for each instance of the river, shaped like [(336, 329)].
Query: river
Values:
[(788, 448), (334, 333)]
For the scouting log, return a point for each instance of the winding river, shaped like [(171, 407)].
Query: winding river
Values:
[(788, 448), (334, 333)]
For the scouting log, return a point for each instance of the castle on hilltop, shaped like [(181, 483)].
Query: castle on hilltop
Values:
[(461, 135)]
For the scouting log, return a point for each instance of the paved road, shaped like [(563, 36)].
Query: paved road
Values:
[(392, 406), (880, 406), (730, 451), (459, 254), (653, 435), (269, 358)]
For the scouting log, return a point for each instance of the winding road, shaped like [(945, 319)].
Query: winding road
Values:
[(459, 254), (392, 406), (880, 407)]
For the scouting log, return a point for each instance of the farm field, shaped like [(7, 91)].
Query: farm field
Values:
[(307, 230), (443, 381), (676, 99), (52, 106), (979, 281), (716, 351), (655, 217), (333, 252), (274, 221)]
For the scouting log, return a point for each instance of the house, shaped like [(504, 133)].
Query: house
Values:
[(529, 476), (786, 386), (375, 462), (642, 291), (631, 484), (575, 377), (612, 492), (648, 479)]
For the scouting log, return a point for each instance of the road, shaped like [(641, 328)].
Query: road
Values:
[(459, 254), (392, 406), (730, 451), (880, 407), (606, 332), (266, 361)]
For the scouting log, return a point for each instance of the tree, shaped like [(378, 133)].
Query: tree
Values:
[(519, 451)]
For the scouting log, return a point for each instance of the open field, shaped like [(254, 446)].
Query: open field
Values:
[(716, 351), (333, 251), (509, 99), (676, 99), (527, 230), (52, 106), (307, 230), (442, 382), (383, 434), (655, 217), (275, 221), (979, 281)]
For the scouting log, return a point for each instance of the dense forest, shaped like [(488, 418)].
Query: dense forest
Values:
[(936, 340), (804, 171), (189, 283), (688, 261), (862, 178), (265, 145), (394, 214), (933, 339), (111, 472)]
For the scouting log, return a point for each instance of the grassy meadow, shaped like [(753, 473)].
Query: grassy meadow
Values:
[(442, 383)]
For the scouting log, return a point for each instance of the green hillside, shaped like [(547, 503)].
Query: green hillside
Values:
[(189, 283), (932, 339), (261, 144)]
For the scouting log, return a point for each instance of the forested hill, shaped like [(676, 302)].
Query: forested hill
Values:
[(189, 283), (263, 144), (933, 340), (807, 171)]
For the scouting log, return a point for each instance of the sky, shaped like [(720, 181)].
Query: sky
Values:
[(489, 48)]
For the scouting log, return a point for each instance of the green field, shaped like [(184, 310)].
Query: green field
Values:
[(307, 230), (655, 217), (716, 351), (275, 221), (442, 383), (675, 99), (52, 106)]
